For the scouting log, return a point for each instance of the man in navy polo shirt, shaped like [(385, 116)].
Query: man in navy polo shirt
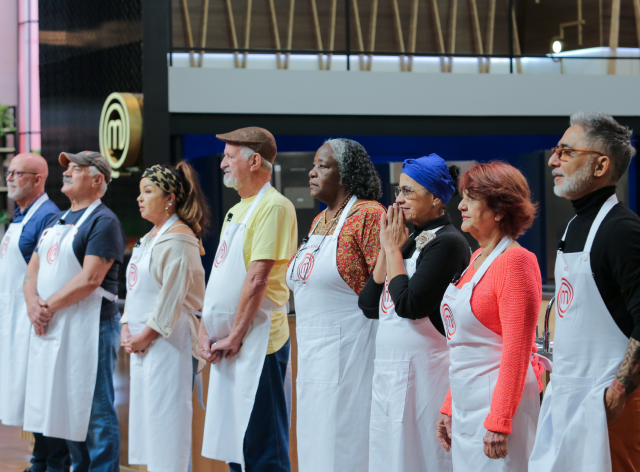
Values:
[(25, 180)]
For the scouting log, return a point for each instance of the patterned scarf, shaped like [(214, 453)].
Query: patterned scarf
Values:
[(166, 180)]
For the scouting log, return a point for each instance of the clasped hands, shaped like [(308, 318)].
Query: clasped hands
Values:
[(39, 315), (394, 234), (495, 444), (224, 348), (139, 343)]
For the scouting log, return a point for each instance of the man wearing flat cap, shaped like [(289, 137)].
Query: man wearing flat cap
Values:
[(70, 288), (245, 333)]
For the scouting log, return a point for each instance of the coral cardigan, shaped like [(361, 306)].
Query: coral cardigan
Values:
[(507, 301)]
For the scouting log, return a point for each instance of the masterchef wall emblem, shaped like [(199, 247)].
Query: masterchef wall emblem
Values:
[(121, 130)]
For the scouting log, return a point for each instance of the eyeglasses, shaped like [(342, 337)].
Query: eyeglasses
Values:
[(408, 193), (564, 153), (17, 173)]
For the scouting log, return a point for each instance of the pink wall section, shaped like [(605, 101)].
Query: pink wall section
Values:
[(28, 76)]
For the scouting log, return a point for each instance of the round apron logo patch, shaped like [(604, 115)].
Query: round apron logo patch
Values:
[(564, 298), (132, 276), (305, 267), (386, 303), (449, 322), (52, 253), (222, 254), (5, 246)]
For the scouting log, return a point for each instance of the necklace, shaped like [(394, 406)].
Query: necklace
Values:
[(335, 217)]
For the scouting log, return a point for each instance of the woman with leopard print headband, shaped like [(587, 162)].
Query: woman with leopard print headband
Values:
[(165, 290)]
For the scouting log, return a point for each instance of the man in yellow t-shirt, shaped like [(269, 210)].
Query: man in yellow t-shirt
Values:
[(268, 243)]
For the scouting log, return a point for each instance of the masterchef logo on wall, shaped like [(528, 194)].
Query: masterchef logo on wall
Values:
[(120, 132)]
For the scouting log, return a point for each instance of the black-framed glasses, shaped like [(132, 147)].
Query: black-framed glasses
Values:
[(564, 153), (408, 193), (17, 173)]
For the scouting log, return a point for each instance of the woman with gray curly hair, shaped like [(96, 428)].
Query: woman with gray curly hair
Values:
[(336, 343)]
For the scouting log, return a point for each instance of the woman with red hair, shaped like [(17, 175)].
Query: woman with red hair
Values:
[(490, 414)]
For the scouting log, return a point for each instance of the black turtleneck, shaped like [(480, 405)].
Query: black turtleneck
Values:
[(615, 256), (439, 262)]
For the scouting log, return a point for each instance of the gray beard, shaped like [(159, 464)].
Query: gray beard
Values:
[(576, 184), (230, 182)]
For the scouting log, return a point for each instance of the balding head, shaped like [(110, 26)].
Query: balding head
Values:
[(27, 175)]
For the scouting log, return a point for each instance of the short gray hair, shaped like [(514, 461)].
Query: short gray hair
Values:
[(93, 170), (607, 136), (246, 153)]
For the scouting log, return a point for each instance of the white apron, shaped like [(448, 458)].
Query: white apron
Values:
[(233, 382), (160, 410), (63, 364), (409, 382), (336, 347), (475, 353), (15, 325), (588, 348)]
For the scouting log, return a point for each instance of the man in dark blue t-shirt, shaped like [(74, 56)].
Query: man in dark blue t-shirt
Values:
[(77, 276)]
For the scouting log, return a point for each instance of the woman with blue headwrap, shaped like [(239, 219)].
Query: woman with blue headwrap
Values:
[(404, 293)]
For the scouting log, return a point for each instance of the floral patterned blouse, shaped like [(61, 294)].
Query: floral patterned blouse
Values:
[(358, 243)]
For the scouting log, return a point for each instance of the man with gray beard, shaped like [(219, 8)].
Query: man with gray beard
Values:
[(25, 180), (244, 332), (590, 416)]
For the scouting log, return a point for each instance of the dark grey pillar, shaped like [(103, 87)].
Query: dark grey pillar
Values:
[(155, 82)]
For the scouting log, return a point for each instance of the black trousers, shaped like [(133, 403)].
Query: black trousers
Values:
[(50, 455)]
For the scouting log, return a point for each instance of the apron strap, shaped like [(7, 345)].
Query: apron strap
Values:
[(604, 210), (36, 205), (86, 214), (106, 294), (253, 206), (343, 217), (567, 228), (499, 249)]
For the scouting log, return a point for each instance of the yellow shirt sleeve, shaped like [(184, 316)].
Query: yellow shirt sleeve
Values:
[(272, 235)]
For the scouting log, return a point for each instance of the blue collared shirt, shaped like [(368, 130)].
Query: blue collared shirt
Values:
[(34, 227)]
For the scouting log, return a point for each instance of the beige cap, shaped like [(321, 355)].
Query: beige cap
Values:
[(258, 139), (88, 158)]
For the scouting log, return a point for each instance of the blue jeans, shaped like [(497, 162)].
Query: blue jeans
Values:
[(100, 452), (266, 442)]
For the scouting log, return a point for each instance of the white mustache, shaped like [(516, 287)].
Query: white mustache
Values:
[(66, 179), (558, 174)]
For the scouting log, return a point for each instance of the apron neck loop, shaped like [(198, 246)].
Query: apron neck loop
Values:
[(86, 214), (499, 249), (604, 210), (343, 216), (165, 227), (256, 200), (39, 201)]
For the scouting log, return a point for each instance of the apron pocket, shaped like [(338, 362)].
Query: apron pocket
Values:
[(471, 403), (390, 384), (218, 324), (319, 355), (568, 394)]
